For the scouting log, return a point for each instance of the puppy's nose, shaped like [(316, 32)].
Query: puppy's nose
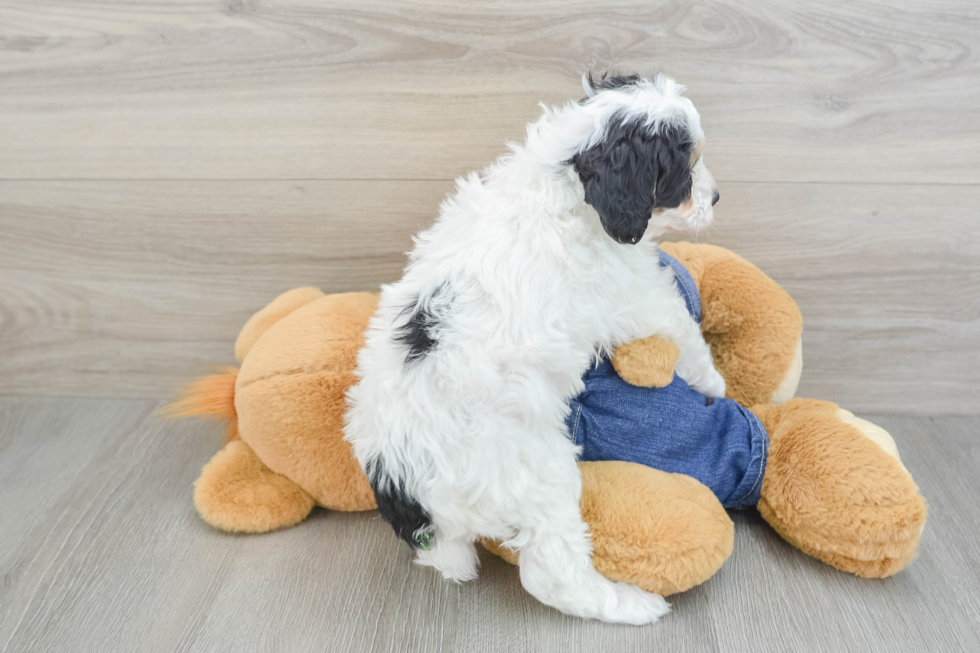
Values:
[(715, 197)]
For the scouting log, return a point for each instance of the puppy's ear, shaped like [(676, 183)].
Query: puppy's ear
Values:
[(631, 172)]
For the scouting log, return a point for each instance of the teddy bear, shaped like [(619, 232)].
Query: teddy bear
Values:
[(660, 463)]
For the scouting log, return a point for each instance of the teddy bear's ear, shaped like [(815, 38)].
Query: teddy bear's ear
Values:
[(631, 171)]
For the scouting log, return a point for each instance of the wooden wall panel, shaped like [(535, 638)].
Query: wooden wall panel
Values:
[(126, 288), (167, 168), (294, 89)]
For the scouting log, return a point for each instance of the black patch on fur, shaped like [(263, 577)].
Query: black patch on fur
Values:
[(418, 333), (632, 171), (409, 519)]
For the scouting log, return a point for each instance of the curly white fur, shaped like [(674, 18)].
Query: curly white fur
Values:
[(526, 290)]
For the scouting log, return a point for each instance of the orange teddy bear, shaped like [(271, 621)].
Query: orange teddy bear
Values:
[(834, 485)]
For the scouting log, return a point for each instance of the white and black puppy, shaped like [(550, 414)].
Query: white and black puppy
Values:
[(535, 268)]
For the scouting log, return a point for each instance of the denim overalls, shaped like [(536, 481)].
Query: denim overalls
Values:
[(673, 429)]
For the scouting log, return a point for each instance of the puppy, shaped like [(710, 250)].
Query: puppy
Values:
[(534, 270)]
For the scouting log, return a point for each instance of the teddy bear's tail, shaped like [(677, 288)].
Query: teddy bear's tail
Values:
[(209, 397)]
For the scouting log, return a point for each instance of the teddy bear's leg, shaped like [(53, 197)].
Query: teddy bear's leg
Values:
[(290, 398), (237, 493), (662, 532), (277, 309), (835, 488), (753, 326)]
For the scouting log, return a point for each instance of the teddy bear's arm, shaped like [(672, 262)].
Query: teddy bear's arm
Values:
[(648, 362)]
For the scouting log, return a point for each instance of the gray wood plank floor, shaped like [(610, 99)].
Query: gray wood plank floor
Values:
[(101, 550)]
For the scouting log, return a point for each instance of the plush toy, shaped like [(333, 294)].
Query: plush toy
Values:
[(830, 483)]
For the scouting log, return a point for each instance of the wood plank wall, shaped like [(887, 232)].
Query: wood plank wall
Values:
[(167, 168)]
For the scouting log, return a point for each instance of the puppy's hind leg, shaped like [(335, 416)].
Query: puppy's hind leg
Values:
[(556, 559), (556, 568), (452, 554), (456, 559)]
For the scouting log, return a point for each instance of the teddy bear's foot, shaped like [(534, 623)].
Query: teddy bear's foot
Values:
[(663, 532), (237, 493), (835, 488)]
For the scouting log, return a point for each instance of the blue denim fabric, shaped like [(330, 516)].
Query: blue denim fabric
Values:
[(673, 429), (685, 284)]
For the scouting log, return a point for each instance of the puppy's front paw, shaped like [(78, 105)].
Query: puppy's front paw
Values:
[(712, 385), (637, 607)]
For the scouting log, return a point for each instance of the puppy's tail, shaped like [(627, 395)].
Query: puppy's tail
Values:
[(209, 398)]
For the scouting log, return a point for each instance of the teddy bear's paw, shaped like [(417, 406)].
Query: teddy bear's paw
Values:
[(873, 432), (646, 363), (236, 492), (635, 606)]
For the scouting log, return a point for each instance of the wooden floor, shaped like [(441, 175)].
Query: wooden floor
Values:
[(101, 550)]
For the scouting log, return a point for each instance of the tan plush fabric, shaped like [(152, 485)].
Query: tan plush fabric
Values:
[(829, 490), (237, 493), (837, 494), (663, 532), (280, 307), (290, 398), (752, 325), (648, 363)]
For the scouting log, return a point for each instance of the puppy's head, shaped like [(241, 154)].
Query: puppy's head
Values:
[(641, 167)]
